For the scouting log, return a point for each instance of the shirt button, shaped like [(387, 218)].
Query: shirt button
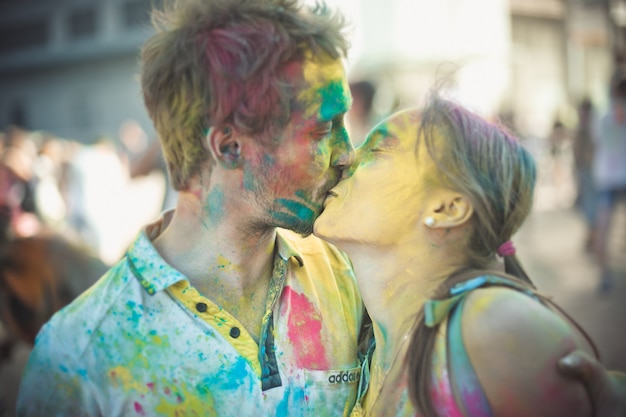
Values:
[(235, 332), (201, 307)]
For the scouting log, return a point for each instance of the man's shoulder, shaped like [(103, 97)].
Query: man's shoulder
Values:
[(78, 321)]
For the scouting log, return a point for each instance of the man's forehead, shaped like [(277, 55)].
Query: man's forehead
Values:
[(326, 93)]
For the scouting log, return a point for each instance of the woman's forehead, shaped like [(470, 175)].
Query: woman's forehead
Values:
[(399, 128)]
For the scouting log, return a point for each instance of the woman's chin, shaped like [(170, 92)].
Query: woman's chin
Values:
[(321, 229)]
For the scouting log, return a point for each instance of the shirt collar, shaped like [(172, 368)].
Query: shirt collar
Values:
[(286, 249), (150, 269), (154, 274)]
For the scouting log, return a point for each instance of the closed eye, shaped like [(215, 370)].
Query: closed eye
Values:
[(325, 129)]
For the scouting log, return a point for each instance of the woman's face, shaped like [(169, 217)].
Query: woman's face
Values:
[(379, 202)]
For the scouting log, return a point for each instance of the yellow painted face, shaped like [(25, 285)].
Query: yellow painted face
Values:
[(380, 202)]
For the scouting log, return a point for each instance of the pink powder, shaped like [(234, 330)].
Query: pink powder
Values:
[(139, 408), (304, 328)]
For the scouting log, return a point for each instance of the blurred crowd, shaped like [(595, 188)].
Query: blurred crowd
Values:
[(594, 155), (67, 211)]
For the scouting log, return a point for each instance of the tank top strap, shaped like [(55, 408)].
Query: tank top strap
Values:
[(464, 383)]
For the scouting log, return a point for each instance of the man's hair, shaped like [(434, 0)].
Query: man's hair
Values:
[(217, 62)]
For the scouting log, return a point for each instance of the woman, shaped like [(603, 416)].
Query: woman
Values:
[(432, 198)]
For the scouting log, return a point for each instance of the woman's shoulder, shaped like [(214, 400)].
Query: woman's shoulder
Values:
[(514, 342)]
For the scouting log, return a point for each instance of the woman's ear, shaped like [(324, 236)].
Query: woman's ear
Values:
[(225, 145), (447, 209)]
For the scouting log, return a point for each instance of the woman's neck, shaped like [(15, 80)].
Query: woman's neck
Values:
[(395, 283)]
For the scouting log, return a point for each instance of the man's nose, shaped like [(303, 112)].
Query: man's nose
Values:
[(343, 151)]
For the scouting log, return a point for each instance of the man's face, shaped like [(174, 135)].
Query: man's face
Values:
[(292, 178)]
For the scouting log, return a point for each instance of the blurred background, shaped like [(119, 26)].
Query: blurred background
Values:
[(81, 170)]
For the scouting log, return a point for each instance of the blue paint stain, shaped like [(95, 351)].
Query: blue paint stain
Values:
[(231, 377), (135, 316), (249, 181), (215, 204), (298, 209), (268, 160), (334, 99), (297, 395)]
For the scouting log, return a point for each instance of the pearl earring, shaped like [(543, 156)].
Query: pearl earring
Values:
[(429, 221)]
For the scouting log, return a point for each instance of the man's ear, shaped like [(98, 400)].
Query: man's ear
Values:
[(447, 209), (224, 144)]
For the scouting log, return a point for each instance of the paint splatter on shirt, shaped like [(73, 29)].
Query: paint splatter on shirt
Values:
[(143, 342)]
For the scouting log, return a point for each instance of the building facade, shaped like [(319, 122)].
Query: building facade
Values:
[(70, 67)]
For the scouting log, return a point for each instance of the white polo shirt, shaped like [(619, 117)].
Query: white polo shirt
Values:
[(143, 342)]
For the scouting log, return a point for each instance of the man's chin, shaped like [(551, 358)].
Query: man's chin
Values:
[(303, 230)]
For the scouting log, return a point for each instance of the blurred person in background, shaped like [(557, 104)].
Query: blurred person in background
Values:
[(17, 197), (144, 156), (360, 118), (609, 175), (559, 142), (43, 266), (583, 150), (96, 181)]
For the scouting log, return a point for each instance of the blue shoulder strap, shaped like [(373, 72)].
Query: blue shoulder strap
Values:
[(463, 379), (465, 384)]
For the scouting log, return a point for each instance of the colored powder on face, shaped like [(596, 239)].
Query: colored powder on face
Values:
[(249, 179), (215, 205), (297, 209), (304, 331), (327, 85), (333, 99)]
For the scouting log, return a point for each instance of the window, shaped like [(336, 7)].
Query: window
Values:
[(82, 23), (136, 13), (23, 35)]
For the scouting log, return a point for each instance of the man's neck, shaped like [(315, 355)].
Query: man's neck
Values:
[(222, 260)]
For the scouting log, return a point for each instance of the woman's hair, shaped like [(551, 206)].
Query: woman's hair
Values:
[(214, 62), (490, 167)]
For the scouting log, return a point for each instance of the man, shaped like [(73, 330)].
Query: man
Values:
[(217, 311), (223, 313)]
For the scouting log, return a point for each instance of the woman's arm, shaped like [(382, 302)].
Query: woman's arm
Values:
[(514, 344)]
